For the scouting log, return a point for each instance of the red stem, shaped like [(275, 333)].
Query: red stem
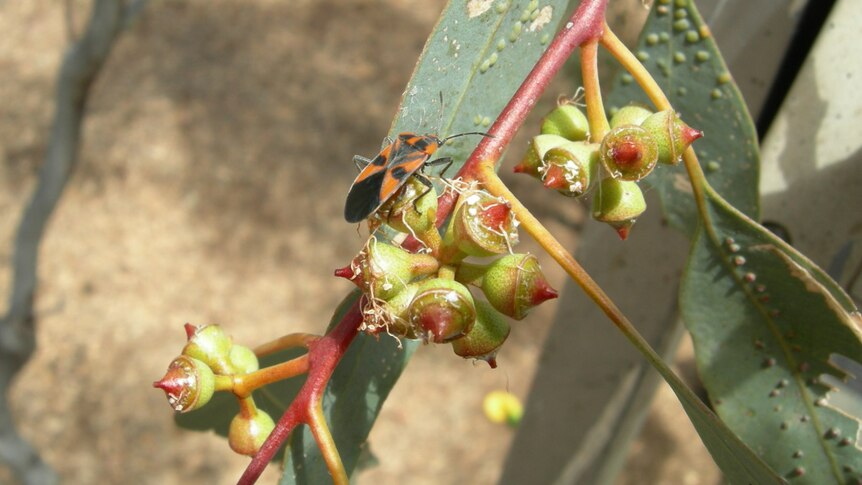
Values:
[(323, 355), (585, 24)]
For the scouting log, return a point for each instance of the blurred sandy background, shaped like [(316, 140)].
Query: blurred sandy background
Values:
[(210, 188)]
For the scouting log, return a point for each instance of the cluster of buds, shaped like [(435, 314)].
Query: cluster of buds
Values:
[(427, 297), (565, 158), (209, 362)]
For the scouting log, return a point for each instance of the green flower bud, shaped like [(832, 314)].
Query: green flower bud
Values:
[(632, 114), (514, 284), (391, 316), (571, 168), (381, 270), (629, 152), (618, 203), (671, 134), (567, 121), (247, 433), (243, 359), (413, 209), (210, 345), (442, 309), (483, 225), (486, 337), (532, 160), (188, 384)]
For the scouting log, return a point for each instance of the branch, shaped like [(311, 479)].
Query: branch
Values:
[(82, 62)]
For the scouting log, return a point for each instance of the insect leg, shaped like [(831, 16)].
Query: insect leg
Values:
[(427, 183), (446, 162), (360, 161)]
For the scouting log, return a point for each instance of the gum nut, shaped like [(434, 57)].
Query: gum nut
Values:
[(629, 152)]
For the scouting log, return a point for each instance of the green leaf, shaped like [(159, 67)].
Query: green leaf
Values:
[(765, 321), (476, 57), (679, 51)]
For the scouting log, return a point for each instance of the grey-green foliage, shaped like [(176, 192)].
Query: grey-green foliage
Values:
[(765, 321), (678, 49)]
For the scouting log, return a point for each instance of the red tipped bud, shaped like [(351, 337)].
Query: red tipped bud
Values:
[(381, 270), (629, 152), (513, 284), (442, 310), (483, 225), (413, 209), (247, 433), (210, 345), (618, 203), (567, 121), (571, 168), (486, 337), (671, 134), (188, 384), (555, 178)]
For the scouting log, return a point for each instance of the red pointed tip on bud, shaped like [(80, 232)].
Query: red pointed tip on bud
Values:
[(555, 178), (438, 321), (623, 229), (627, 153), (346, 273), (496, 215), (689, 135), (543, 292), (171, 383), (188, 384), (521, 168), (492, 362), (190, 330)]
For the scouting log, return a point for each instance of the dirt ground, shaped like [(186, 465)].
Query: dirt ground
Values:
[(210, 188)]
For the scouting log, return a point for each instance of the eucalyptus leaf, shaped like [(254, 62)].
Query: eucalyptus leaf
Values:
[(476, 58), (677, 48), (765, 322)]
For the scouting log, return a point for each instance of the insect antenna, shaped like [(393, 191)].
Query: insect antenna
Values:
[(486, 135)]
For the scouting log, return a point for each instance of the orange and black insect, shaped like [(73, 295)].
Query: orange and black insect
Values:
[(381, 177)]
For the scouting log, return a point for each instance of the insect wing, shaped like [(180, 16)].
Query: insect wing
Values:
[(389, 170), (364, 195), (398, 172)]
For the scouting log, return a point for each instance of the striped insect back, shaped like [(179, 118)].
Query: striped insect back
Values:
[(382, 176)]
